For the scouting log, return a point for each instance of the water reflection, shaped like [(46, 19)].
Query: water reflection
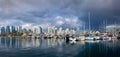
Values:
[(57, 48), (19, 42)]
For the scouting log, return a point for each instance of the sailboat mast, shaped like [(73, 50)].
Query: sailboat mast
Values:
[(106, 25), (115, 28), (84, 27), (89, 21)]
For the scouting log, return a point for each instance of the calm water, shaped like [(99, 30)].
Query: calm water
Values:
[(30, 47)]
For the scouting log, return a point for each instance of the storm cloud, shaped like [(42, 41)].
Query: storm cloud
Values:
[(71, 13)]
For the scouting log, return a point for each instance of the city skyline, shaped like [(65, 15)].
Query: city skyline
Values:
[(35, 30)]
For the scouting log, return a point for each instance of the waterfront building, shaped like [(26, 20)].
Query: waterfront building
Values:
[(59, 31), (19, 29), (13, 30), (34, 30), (113, 29), (29, 31), (24, 30), (49, 30), (38, 30), (52, 30), (8, 30), (55, 31), (3, 30)]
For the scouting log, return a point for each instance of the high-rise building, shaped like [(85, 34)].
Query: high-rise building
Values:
[(8, 30), (60, 31), (53, 30), (3, 30), (49, 30), (24, 30), (13, 30), (38, 30), (19, 29), (29, 31)]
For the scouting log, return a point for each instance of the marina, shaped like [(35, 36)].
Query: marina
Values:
[(59, 28)]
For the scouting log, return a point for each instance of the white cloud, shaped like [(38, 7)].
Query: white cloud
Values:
[(71, 21), (59, 22), (27, 25), (59, 17)]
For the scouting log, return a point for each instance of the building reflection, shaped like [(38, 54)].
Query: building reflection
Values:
[(19, 42)]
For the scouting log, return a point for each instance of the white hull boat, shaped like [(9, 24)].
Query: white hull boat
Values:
[(90, 38), (81, 38)]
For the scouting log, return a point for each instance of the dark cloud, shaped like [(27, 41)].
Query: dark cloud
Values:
[(46, 11)]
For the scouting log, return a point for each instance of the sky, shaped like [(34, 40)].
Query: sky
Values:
[(60, 13)]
